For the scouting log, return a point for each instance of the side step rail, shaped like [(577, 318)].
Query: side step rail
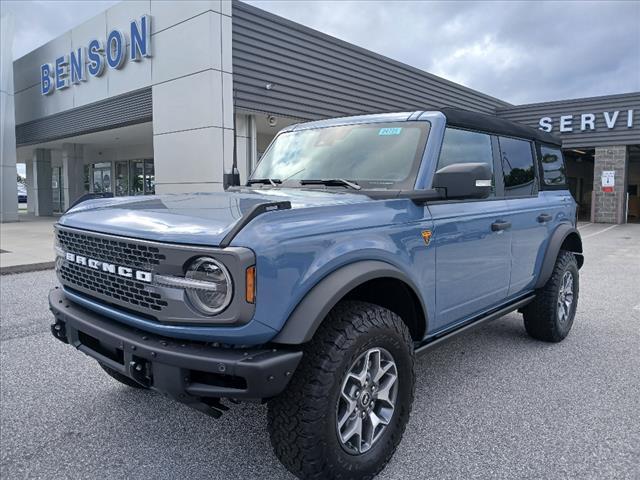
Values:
[(445, 337)]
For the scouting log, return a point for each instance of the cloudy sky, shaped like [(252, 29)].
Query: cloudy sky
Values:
[(521, 52)]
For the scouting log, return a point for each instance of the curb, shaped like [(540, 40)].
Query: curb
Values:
[(29, 267)]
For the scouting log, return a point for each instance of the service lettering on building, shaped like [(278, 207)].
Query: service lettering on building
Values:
[(587, 121), (91, 61)]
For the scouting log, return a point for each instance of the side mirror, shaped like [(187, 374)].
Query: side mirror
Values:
[(464, 180)]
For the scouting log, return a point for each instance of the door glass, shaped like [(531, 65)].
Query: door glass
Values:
[(137, 177), (463, 146), (149, 178), (517, 165), (552, 166), (122, 179)]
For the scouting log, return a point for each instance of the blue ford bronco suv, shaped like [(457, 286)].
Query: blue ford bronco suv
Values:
[(356, 244)]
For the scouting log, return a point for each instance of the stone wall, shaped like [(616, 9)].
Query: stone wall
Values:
[(608, 207)]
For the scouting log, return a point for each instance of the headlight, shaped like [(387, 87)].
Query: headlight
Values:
[(211, 289)]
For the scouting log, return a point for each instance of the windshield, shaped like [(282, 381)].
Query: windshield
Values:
[(375, 155)]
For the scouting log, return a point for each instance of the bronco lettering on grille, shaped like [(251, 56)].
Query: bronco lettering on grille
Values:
[(126, 272)]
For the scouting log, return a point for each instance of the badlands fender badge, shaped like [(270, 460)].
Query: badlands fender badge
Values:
[(426, 236)]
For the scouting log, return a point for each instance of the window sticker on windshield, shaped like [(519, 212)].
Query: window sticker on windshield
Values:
[(390, 131)]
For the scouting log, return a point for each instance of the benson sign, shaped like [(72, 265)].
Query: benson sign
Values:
[(78, 65)]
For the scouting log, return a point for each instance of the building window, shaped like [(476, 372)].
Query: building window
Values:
[(517, 166), (553, 171), (123, 178), (87, 178)]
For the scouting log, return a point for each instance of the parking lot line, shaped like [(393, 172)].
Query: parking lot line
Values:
[(599, 232)]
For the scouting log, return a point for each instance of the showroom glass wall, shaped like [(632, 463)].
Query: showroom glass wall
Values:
[(122, 178)]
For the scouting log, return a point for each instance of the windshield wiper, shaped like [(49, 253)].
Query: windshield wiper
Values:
[(267, 181), (332, 181)]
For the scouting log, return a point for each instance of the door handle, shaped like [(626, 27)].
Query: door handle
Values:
[(544, 217), (499, 225)]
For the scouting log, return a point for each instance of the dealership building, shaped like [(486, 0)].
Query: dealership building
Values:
[(148, 96)]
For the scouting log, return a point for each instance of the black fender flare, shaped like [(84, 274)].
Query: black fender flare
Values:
[(558, 237), (321, 298)]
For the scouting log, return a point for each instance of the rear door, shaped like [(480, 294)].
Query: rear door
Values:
[(529, 212), (472, 239)]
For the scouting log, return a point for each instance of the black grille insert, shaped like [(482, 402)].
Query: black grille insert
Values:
[(119, 252), (113, 286)]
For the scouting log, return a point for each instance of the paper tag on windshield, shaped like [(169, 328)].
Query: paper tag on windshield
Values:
[(390, 131)]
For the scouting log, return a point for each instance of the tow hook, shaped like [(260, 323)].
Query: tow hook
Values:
[(140, 371), (211, 406), (59, 331)]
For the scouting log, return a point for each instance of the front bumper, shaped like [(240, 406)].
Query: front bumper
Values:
[(194, 373)]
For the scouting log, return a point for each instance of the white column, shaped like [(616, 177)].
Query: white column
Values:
[(192, 98), (42, 194), (8, 172), (72, 172), (246, 146)]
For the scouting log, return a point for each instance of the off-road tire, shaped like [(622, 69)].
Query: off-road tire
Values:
[(122, 378), (541, 318), (302, 420)]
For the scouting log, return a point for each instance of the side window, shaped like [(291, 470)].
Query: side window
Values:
[(517, 166), (553, 171), (463, 146)]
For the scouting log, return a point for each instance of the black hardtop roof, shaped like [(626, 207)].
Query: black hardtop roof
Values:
[(491, 124)]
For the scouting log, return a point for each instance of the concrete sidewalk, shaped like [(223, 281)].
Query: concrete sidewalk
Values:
[(27, 245)]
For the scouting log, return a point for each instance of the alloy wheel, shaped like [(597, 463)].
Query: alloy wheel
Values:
[(565, 297), (367, 400)]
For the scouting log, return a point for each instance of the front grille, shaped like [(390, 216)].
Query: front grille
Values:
[(113, 286), (120, 252)]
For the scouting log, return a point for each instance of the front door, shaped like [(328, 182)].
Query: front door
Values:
[(472, 239), (472, 258)]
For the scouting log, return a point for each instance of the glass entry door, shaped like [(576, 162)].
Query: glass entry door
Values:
[(101, 177), (57, 189), (122, 179)]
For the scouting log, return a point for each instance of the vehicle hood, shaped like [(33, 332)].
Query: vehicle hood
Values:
[(195, 218)]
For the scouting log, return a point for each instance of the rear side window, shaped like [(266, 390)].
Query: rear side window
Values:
[(517, 166), (553, 171)]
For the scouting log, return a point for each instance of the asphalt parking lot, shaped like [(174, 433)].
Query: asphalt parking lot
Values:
[(491, 404)]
